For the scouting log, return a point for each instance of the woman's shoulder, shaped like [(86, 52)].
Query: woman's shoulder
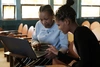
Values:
[(83, 30), (55, 26), (39, 24)]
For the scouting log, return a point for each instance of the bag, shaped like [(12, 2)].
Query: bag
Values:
[(28, 62)]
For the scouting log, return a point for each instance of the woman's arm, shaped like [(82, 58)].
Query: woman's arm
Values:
[(34, 36), (63, 42), (72, 50), (36, 32), (64, 57)]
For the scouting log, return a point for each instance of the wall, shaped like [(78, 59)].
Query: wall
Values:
[(13, 24)]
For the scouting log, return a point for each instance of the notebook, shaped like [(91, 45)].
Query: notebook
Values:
[(21, 47)]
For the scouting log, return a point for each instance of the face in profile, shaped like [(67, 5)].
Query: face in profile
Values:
[(63, 26), (46, 19)]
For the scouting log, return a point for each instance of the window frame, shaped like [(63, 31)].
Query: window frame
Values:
[(57, 4), (88, 6), (3, 13), (29, 5)]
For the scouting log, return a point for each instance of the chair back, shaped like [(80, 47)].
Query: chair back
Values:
[(96, 32), (20, 28), (30, 32), (25, 29), (94, 25), (86, 23), (70, 37)]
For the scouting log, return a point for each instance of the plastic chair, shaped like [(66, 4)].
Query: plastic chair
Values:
[(86, 23), (94, 25), (70, 37), (72, 48), (25, 29), (20, 28), (18, 31), (23, 32), (30, 32), (96, 32)]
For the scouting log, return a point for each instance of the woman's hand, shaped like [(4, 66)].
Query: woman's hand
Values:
[(51, 52), (36, 45)]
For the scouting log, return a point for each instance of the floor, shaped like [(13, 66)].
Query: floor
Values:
[(3, 61)]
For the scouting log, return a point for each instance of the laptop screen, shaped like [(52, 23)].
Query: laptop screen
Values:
[(19, 46)]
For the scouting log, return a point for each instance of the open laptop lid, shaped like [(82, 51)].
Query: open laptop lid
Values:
[(19, 46)]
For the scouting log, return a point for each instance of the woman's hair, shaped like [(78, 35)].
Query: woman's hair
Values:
[(69, 2), (66, 11), (47, 8)]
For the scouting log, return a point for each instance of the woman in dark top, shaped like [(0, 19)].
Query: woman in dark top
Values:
[(85, 41)]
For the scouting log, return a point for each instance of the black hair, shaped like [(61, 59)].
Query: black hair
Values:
[(46, 8), (69, 2), (66, 11)]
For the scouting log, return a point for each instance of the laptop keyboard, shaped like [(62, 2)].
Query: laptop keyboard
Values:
[(42, 50), (39, 53)]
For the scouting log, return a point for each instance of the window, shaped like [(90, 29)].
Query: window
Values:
[(30, 11), (8, 9), (57, 4), (8, 12), (90, 8), (30, 8), (34, 1)]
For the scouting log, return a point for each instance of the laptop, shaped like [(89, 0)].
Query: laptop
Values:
[(21, 47)]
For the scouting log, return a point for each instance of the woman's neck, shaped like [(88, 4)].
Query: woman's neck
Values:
[(73, 27)]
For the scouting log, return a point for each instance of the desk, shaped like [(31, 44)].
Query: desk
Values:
[(12, 56), (4, 33)]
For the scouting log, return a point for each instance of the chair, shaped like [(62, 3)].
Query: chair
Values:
[(30, 32), (23, 32), (72, 48), (70, 37), (96, 32), (20, 28), (1, 29), (26, 33), (86, 23), (18, 31), (94, 25), (25, 29)]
